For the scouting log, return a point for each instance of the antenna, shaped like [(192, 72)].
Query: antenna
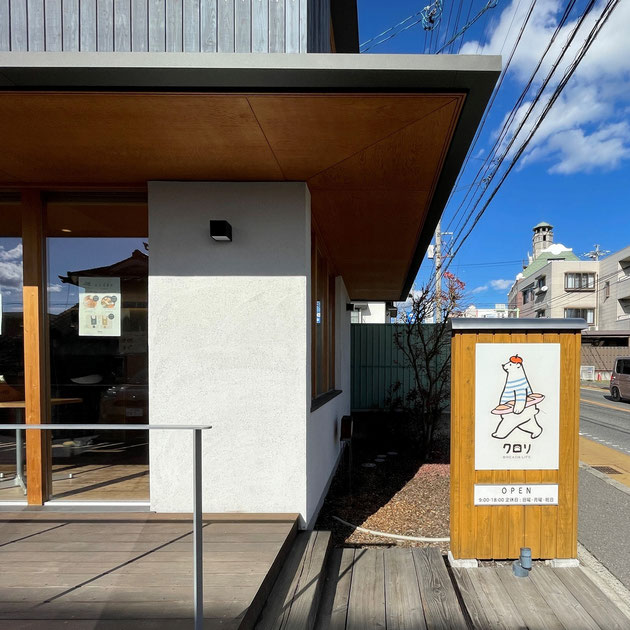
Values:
[(596, 253)]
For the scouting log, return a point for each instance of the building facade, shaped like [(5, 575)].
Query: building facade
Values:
[(555, 282), (227, 196)]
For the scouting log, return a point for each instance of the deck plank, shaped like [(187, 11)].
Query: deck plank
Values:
[(531, 606), (567, 608), (366, 606), (305, 600), (333, 609), (441, 606), (596, 604), (499, 609), (403, 603), (278, 605), (475, 605)]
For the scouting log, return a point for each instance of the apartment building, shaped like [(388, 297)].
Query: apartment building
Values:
[(614, 291), (555, 282)]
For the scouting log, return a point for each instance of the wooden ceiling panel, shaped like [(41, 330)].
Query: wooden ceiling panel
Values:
[(409, 159), (371, 161), (131, 138), (309, 133), (370, 234)]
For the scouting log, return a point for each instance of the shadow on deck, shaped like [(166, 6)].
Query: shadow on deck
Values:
[(122, 571), (413, 589)]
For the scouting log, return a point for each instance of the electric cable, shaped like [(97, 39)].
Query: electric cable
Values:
[(611, 5), (485, 167), (495, 92)]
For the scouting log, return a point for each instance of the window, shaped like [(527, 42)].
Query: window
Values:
[(355, 317), (579, 281), (541, 313), (323, 319), (541, 282), (585, 313), (623, 366), (607, 289)]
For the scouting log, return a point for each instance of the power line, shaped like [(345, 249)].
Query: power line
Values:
[(491, 4), (489, 108), (391, 28), (492, 160), (485, 167), (601, 21)]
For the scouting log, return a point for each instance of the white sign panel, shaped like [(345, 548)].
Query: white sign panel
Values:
[(517, 406), (516, 494), (99, 307)]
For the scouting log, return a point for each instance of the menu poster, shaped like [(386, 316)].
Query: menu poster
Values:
[(99, 307)]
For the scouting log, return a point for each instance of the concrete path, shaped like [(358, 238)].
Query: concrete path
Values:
[(604, 523)]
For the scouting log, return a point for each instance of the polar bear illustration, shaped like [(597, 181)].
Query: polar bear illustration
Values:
[(518, 406)]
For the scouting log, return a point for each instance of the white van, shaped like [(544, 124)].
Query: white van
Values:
[(620, 379)]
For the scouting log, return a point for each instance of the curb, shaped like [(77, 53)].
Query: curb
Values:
[(604, 477), (618, 594)]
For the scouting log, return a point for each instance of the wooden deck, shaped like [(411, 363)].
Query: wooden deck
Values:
[(412, 589), (123, 571), (120, 571)]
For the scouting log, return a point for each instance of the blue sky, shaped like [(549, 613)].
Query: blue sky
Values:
[(575, 173)]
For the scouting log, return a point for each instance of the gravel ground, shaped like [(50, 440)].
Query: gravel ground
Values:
[(399, 495)]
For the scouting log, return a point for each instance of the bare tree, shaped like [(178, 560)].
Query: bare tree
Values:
[(426, 348)]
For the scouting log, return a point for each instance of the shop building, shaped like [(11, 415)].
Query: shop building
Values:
[(182, 233)]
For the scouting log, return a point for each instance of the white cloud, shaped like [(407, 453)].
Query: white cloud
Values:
[(480, 289), (11, 254), (10, 275), (585, 129), (501, 284), (55, 288)]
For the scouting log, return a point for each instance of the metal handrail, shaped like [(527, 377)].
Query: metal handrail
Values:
[(197, 486)]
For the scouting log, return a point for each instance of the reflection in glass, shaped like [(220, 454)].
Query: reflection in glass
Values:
[(97, 304), (11, 366)]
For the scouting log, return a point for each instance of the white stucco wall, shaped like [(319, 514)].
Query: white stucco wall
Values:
[(375, 313), (228, 344), (323, 446)]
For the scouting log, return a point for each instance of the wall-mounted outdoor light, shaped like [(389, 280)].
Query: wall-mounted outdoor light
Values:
[(220, 230)]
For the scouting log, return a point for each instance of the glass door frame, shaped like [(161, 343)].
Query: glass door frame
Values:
[(37, 382)]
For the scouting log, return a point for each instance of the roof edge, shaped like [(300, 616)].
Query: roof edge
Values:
[(534, 324)]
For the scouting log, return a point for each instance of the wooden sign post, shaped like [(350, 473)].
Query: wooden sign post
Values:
[(514, 437)]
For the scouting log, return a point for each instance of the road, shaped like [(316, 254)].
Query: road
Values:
[(603, 420), (604, 509)]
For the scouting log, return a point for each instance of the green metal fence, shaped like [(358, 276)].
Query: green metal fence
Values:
[(376, 365)]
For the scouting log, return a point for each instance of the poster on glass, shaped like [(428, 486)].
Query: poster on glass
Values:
[(99, 307)]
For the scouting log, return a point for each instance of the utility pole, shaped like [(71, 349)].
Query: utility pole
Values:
[(438, 272)]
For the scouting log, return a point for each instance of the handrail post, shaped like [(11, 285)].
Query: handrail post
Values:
[(197, 530)]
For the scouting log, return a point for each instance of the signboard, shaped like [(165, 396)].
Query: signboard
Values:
[(517, 406), (99, 307), (516, 494)]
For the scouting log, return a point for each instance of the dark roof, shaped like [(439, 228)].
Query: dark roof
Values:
[(136, 265)]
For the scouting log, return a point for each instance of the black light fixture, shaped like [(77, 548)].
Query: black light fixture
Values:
[(220, 230)]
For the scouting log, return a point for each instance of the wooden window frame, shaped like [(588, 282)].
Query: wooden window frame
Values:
[(321, 264)]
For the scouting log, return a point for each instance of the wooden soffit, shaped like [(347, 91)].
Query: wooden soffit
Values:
[(371, 161)]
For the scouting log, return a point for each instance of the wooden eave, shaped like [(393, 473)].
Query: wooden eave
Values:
[(378, 162)]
